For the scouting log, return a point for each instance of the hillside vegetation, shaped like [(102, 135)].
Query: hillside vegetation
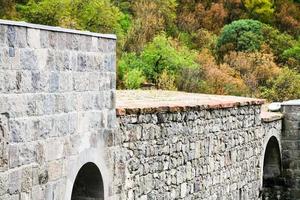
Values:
[(230, 47)]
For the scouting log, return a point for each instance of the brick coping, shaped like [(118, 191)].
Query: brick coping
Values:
[(56, 29), (157, 101)]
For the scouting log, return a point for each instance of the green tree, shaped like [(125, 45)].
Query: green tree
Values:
[(241, 35), (277, 41), (133, 79), (92, 15), (48, 12), (165, 54), (262, 10), (292, 56)]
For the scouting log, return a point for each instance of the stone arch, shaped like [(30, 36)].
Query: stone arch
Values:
[(88, 184), (74, 164), (272, 162)]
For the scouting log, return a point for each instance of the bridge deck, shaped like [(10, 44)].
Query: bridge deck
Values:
[(151, 101)]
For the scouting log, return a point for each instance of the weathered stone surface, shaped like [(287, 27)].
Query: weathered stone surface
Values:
[(291, 146), (54, 109), (193, 154)]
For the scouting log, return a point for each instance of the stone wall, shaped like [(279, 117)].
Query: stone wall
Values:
[(196, 154), (56, 108), (291, 147)]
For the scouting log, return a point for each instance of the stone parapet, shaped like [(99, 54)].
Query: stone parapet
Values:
[(215, 152), (156, 101)]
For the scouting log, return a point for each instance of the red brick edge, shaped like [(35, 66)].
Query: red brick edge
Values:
[(122, 111)]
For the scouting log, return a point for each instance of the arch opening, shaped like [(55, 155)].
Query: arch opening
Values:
[(88, 184), (273, 183), (272, 163)]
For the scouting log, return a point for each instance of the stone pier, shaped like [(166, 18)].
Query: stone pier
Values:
[(291, 146)]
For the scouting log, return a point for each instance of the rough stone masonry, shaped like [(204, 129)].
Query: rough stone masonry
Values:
[(66, 134)]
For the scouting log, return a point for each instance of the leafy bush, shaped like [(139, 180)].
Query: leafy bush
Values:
[(165, 54), (151, 17), (277, 41), (162, 55), (166, 81), (241, 35), (220, 79), (204, 39), (7, 9), (48, 12), (254, 68), (190, 80), (283, 87), (292, 56), (92, 15), (128, 62), (133, 79)]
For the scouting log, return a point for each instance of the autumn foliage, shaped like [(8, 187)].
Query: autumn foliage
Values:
[(231, 47)]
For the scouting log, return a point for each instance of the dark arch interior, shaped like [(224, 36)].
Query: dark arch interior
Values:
[(88, 184), (272, 163)]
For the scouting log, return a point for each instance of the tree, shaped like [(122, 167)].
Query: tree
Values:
[(255, 68), (241, 35), (163, 54), (219, 79), (203, 14), (150, 18), (262, 10), (92, 15), (288, 17), (7, 9), (277, 41), (292, 56), (283, 87)]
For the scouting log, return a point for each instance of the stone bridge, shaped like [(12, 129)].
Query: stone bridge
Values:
[(67, 134)]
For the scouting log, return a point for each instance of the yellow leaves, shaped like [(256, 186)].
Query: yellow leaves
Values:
[(166, 81)]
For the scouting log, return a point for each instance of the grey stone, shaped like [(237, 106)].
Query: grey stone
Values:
[(28, 59), (14, 182), (53, 82), (11, 36)]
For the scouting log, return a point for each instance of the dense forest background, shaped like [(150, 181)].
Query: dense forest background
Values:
[(232, 47)]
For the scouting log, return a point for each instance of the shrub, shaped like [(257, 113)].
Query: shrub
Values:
[(133, 79), (48, 12), (92, 15), (204, 39), (190, 80), (292, 56), (127, 62), (277, 41), (220, 79), (254, 68), (162, 55), (283, 87), (150, 18), (166, 81), (165, 54)]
